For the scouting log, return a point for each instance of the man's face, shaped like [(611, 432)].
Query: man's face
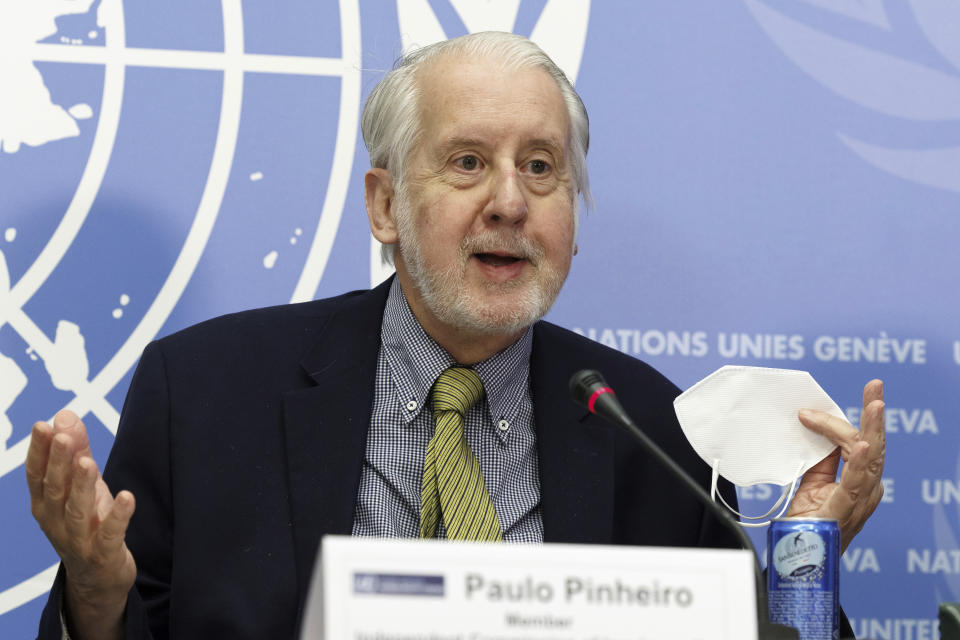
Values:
[(486, 215)]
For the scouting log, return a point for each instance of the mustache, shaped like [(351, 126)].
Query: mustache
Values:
[(514, 244)]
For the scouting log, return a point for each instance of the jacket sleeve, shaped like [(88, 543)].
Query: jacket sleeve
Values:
[(52, 626), (139, 462)]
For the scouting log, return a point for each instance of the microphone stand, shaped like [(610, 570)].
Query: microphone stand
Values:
[(590, 391)]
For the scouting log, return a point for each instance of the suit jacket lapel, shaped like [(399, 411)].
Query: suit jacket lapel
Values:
[(326, 425), (576, 453)]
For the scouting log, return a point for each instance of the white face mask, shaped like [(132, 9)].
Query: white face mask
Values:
[(743, 422)]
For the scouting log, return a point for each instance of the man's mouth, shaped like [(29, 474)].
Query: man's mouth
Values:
[(496, 260)]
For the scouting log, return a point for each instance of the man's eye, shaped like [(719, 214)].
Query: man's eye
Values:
[(468, 163), (539, 167)]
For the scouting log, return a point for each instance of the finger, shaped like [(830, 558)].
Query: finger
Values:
[(67, 422), (103, 499), (854, 484), (825, 471), (872, 416), (876, 495), (79, 509), (837, 430), (109, 537), (56, 481), (37, 456), (873, 390), (872, 427)]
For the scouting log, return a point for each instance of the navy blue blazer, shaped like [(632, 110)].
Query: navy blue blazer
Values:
[(243, 437)]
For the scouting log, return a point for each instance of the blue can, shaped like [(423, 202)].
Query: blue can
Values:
[(803, 576)]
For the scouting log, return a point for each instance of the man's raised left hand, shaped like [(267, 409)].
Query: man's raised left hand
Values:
[(851, 500)]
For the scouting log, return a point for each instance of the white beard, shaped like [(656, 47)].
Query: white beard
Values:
[(517, 304)]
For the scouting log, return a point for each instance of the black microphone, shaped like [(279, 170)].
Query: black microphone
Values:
[(590, 390)]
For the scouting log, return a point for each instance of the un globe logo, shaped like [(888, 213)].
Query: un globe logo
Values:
[(905, 91), (163, 164), (137, 156)]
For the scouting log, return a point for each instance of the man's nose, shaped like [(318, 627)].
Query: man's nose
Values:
[(507, 202)]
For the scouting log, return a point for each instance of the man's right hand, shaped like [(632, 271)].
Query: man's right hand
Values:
[(85, 524)]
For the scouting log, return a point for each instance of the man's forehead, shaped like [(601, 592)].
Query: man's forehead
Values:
[(464, 100), (456, 69)]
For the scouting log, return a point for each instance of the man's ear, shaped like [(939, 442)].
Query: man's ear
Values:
[(378, 184)]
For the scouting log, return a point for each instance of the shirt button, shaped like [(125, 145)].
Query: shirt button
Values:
[(503, 425), (412, 405)]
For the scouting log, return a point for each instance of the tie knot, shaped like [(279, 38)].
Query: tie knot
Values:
[(457, 389)]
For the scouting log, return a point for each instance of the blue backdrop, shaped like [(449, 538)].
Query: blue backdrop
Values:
[(777, 183)]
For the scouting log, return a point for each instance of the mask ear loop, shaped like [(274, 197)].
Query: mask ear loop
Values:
[(786, 496)]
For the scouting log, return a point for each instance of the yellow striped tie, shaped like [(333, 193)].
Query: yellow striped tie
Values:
[(452, 482)]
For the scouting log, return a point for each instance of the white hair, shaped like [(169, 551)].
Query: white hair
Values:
[(391, 117)]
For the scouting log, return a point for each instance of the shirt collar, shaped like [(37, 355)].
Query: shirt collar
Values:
[(416, 360)]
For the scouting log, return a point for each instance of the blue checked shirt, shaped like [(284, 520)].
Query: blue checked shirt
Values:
[(499, 430)]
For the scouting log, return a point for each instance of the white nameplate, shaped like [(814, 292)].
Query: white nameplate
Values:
[(437, 590)]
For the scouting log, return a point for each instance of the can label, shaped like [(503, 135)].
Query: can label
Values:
[(803, 575), (799, 557)]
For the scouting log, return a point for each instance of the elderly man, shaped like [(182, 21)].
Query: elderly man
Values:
[(246, 438)]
